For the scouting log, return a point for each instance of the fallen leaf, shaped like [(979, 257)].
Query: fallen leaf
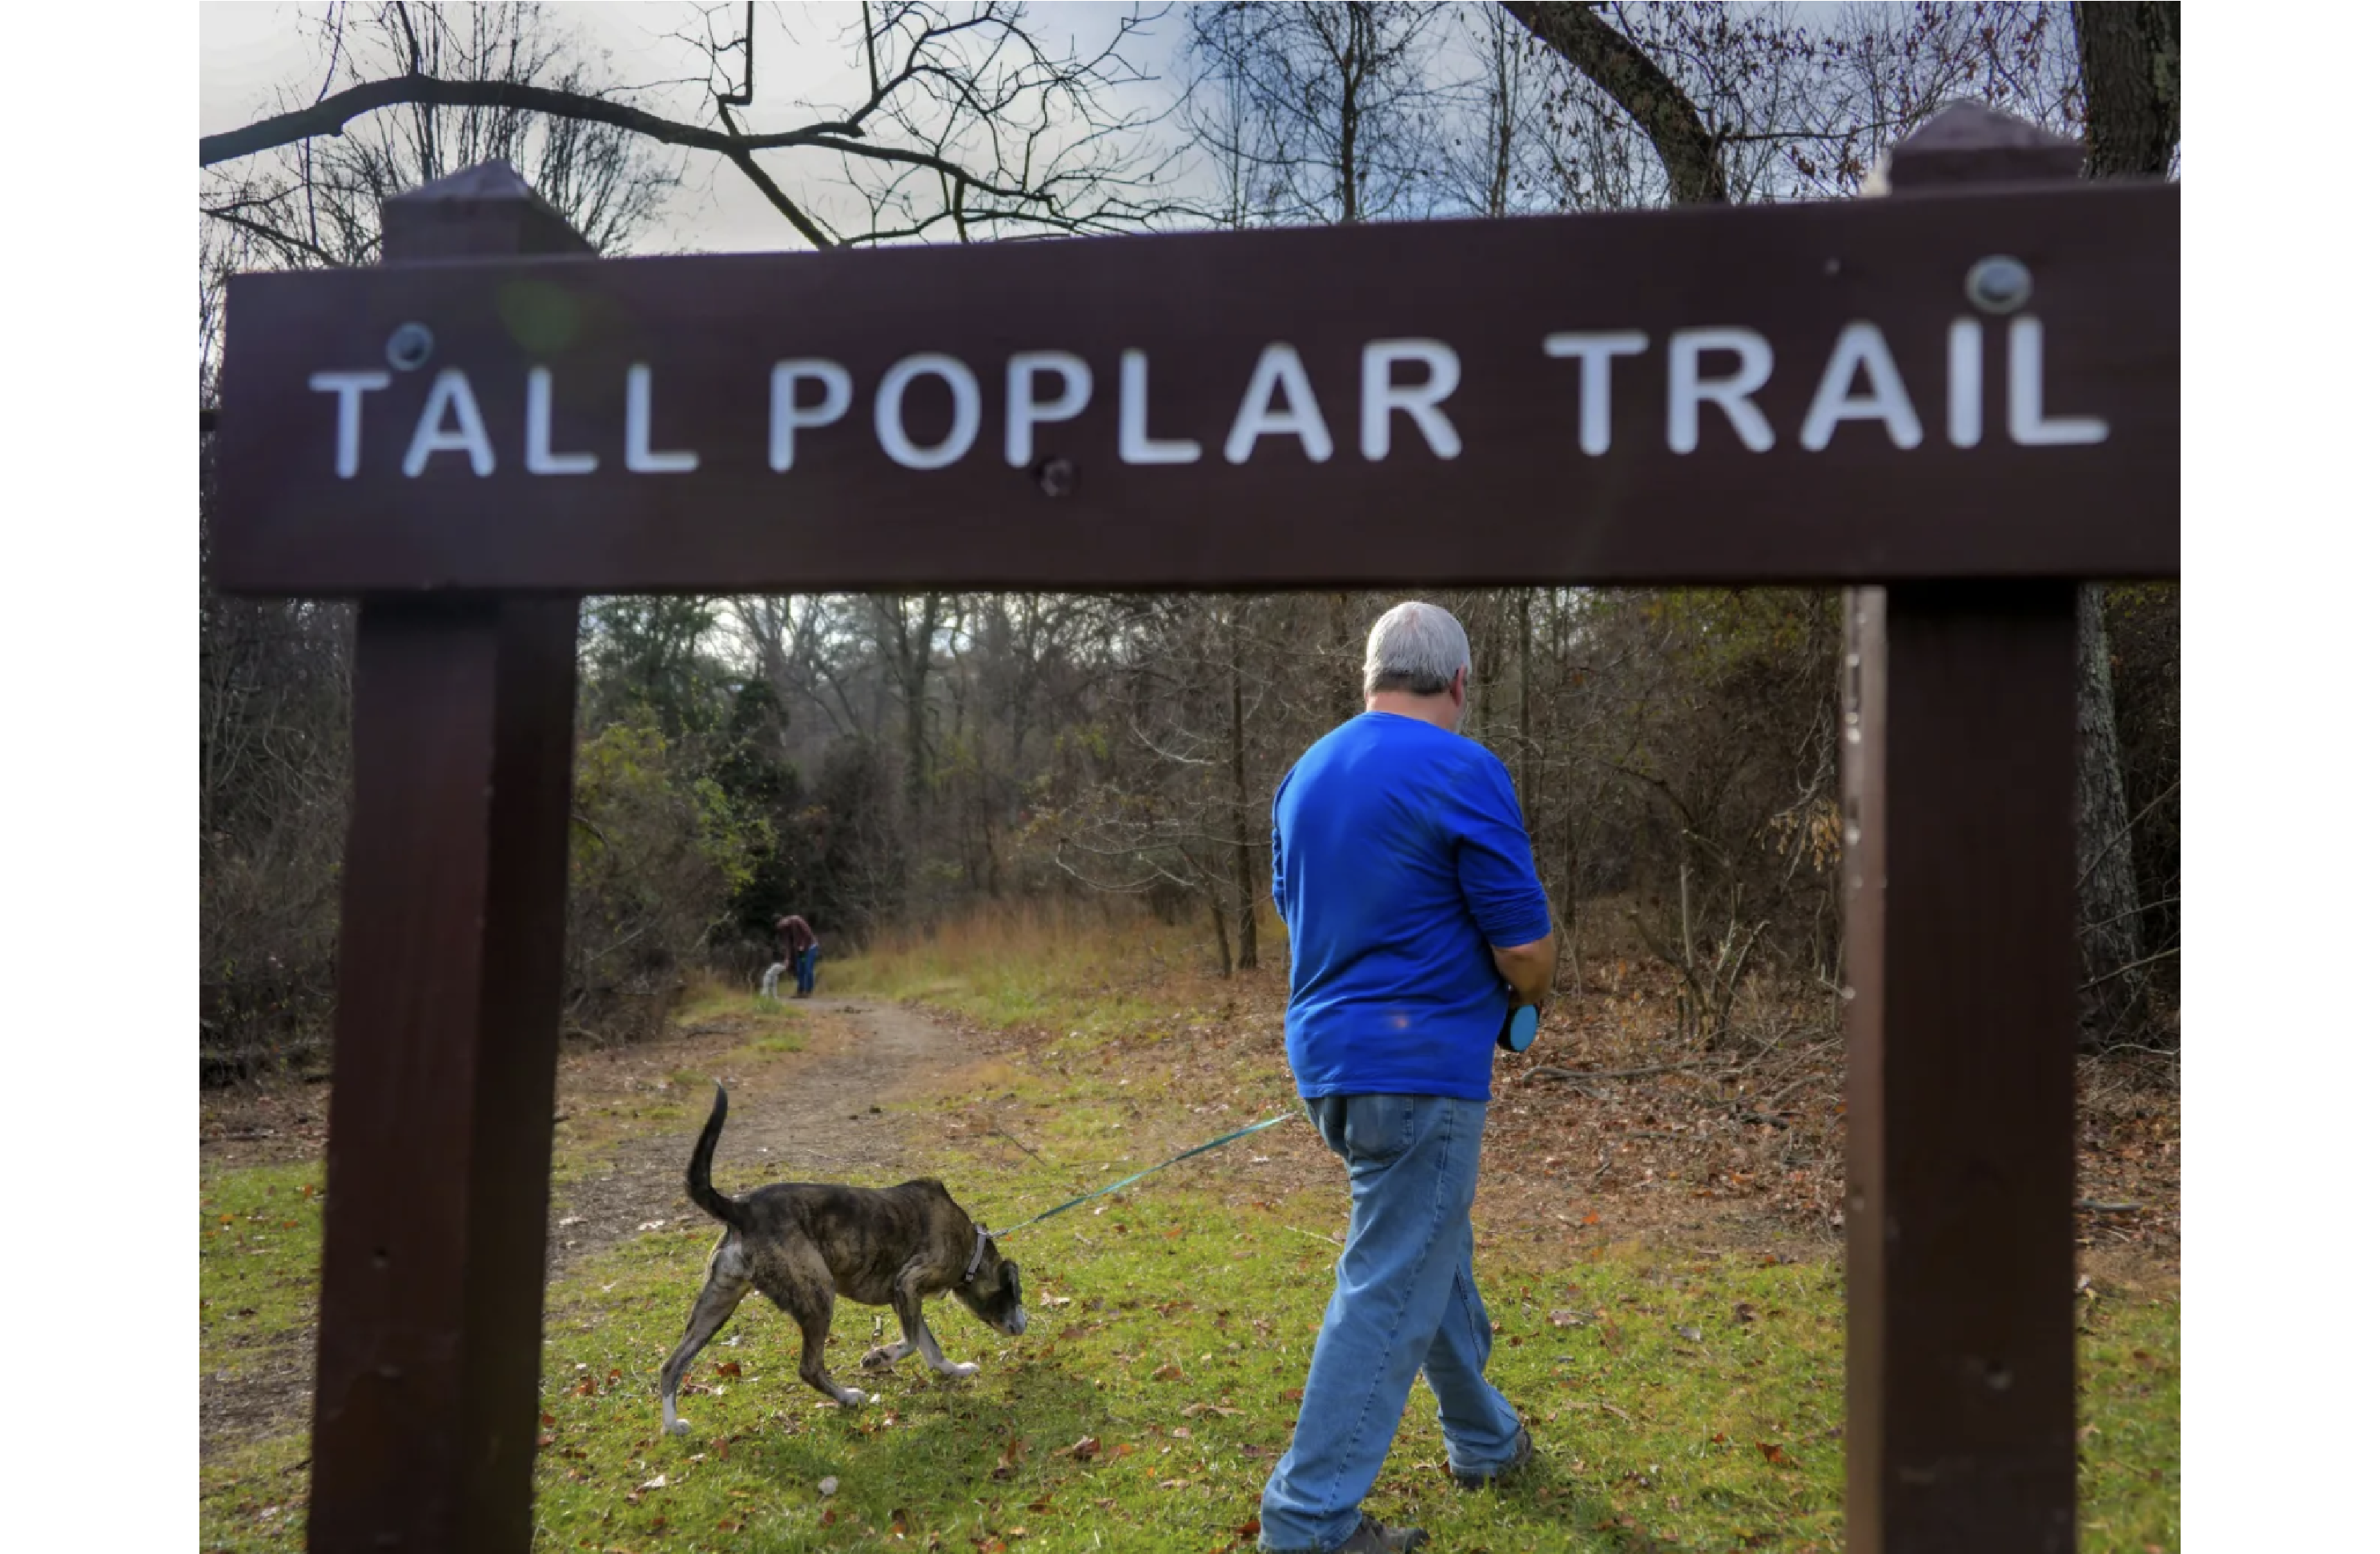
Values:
[(732, 1369), (1743, 1312), (1167, 1372), (1774, 1453), (1293, 1394), (1565, 1319), (1081, 1450), (829, 1486), (659, 1481)]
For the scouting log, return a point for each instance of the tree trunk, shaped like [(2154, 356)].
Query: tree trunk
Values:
[(916, 660), (1604, 54), (1528, 667), (2107, 896), (2130, 57), (1244, 862)]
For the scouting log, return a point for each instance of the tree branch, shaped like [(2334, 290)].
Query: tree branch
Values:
[(271, 235), (331, 116), (1611, 60)]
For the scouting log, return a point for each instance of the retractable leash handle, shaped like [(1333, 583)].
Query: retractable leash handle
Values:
[(1520, 1028)]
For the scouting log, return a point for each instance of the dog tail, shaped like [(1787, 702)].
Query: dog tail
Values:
[(707, 1198)]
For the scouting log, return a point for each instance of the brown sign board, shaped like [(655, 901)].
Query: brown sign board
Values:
[(1788, 393)]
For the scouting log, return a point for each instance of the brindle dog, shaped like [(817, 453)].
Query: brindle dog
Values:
[(801, 1244)]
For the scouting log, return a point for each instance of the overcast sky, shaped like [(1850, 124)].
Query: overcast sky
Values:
[(253, 59)]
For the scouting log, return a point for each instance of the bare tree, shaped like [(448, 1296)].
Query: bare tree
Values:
[(961, 122), (2130, 57), (1329, 112)]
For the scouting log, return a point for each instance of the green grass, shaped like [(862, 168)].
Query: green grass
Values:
[(1678, 1402), (260, 1244)]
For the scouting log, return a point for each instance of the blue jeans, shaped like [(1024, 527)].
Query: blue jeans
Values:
[(806, 971), (1405, 1304)]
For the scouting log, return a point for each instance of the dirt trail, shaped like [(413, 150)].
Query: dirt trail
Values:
[(806, 1115)]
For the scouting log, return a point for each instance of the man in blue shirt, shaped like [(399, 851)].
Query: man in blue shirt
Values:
[(1415, 922)]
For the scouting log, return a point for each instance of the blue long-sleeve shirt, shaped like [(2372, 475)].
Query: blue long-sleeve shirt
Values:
[(1399, 859)]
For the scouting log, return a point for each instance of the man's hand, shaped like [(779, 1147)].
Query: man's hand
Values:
[(1529, 969)]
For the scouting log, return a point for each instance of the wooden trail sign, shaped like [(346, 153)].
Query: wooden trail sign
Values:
[(1964, 399), (1823, 392)]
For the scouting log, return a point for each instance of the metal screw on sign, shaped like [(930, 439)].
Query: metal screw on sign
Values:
[(410, 346), (1055, 475), (1999, 284)]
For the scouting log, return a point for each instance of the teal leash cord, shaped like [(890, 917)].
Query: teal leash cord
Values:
[(1210, 1144)]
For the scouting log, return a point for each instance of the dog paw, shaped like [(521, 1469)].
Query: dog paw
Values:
[(963, 1369), (876, 1359), (850, 1397), (681, 1427)]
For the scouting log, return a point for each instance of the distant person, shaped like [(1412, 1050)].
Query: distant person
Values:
[(1416, 924), (798, 948)]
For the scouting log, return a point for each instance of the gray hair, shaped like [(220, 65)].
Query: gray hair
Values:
[(1414, 648)]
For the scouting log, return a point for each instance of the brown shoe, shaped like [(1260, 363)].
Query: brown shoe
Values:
[(1521, 1456)]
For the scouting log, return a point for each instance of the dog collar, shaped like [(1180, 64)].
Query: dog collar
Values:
[(983, 1240)]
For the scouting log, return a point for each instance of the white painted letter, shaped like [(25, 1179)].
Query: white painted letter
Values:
[(542, 459), (2027, 427), (784, 416), (1689, 392), (1861, 344), (1279, 367), (1966, 383), (1593, 352), (350, 387), (641, 457), (470, 433), (1024, 412), (1419, 400), (966, 412), (1134, 444)]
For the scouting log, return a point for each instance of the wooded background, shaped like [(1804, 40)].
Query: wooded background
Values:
[(875, 761)]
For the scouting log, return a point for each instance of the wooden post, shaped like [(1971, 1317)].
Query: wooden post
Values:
[(1957, 746), (449, 955)]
